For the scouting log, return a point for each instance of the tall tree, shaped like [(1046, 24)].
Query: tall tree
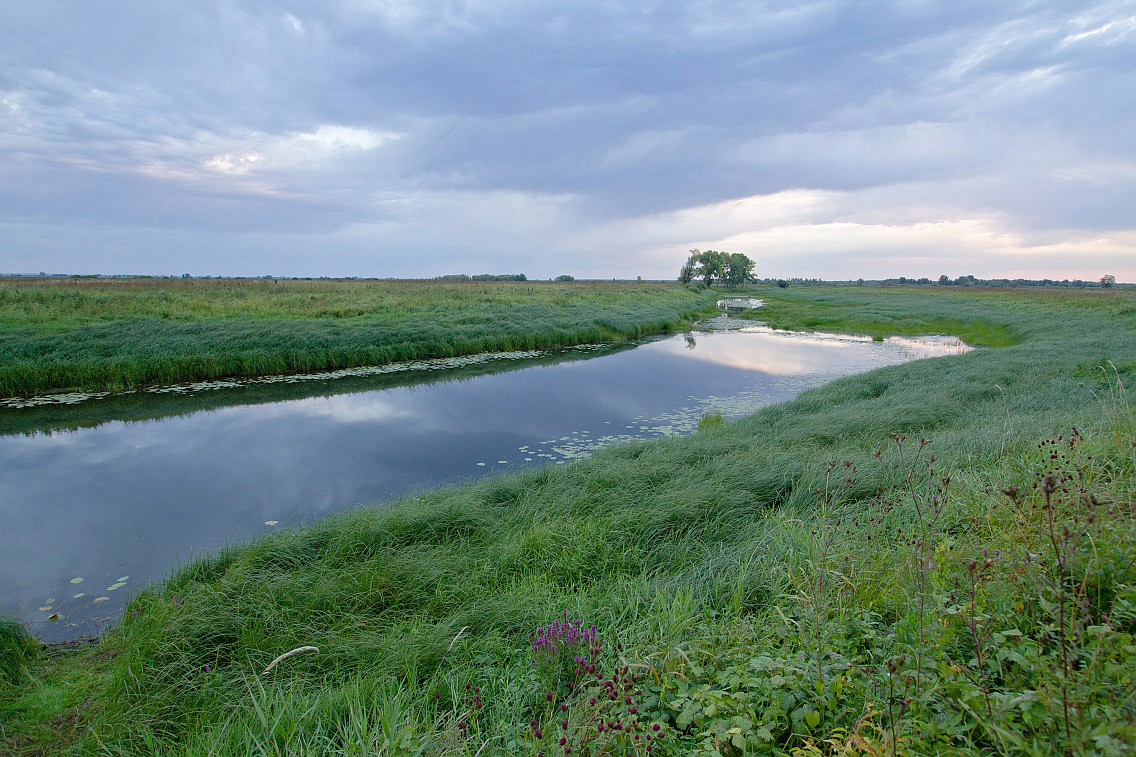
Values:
[(738, 269), (711, 266)]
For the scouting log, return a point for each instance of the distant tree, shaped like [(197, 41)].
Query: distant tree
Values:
[(712, 265), (944, 280), (729, 269), (782, 283), (499, 277), (565, 277), (738, 269), (1107, 281)]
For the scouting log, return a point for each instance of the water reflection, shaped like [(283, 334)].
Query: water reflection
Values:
[(127, 500)]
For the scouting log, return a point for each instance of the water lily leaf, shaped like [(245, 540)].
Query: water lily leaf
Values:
[(481, 464), (99, 599), (53, 616), (50, 601), (80, 594), (112, 587), (45, 608), (502, 462), (122, 578), (271, 522), (76, 580)]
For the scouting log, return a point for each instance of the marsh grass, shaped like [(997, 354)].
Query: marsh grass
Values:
[(113, 335), (18, 650), (774, 585)]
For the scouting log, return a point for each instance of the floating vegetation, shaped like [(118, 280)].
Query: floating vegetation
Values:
[(113, 587), (76, 580), (406, 366), (99, 599), (271, 522), (79, 595), (435, 364)]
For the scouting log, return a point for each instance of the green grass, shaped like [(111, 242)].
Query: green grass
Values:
[(59, 334), (802, 580)]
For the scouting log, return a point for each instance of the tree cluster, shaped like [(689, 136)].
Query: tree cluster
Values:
[(727, 269), (482, 277)]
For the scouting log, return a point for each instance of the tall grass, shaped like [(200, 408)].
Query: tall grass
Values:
[(120, 334), (805, 580), (18, 650)]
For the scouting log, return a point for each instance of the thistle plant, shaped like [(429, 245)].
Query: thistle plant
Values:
[(593, 707), (560, 648)]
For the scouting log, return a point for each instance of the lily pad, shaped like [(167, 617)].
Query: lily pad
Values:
[(80, 594), (99, 599), (122, 578), (271, 522), (45, 608), (53, 616), (481, 464), (50, 601), (112, 587), (76, 580)]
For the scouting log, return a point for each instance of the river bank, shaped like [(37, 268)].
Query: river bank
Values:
[(95, 335)]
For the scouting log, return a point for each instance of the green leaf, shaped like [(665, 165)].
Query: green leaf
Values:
[(812, 717)]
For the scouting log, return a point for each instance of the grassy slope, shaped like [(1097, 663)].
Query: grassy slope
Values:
[(111, 334), (768, 599)]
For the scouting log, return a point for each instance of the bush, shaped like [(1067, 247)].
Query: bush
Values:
[(696, 286)]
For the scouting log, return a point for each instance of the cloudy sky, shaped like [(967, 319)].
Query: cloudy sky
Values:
[(413, 138)]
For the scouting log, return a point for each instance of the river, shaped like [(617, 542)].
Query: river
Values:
[(100, 495)]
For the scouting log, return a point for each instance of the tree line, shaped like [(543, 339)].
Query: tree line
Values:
[(482, 277), (725, 268)]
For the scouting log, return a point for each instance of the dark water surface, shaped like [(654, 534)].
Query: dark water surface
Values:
[(94, 512)]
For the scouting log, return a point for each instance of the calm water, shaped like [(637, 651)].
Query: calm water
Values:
[(94, 513)]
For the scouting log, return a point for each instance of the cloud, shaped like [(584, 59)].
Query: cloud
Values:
[(508, 134)]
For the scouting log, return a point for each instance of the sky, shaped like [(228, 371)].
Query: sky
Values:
[(413, 138)]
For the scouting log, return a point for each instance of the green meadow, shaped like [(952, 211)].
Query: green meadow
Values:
[(931, 558), (111, 334)]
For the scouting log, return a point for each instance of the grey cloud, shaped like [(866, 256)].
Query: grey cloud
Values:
[(114, 113)]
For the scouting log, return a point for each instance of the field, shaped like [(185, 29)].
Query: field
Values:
[(932, 558), (110, 334)]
